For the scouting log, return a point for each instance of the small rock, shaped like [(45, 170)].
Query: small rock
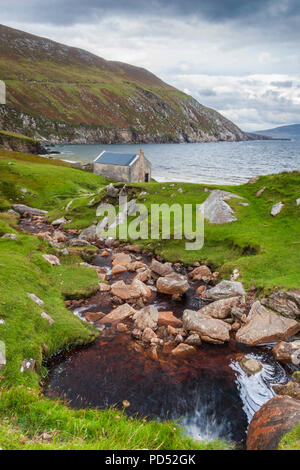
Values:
[(193, 340), (253, 180), (287, 352), (201, 273), (168, 318), (47, 317), (250, 366), (36, 299), (21, 208), (162, 269), (2, 354), (118, 269), (225, 289), (52, 259), (121, 259), (11, 236), (118, 315), (260, 191), (61, 221), (148, 335), (183, 350), (122, 328), (276, 209), (298, 202), (112, 191), (104, 287), (146, 318), (173, 284), (93, 317), (28, 364), (78, 242)]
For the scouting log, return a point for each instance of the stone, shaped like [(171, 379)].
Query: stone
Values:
[(168, 318), (172, 284), (276, 209), (235, 275), (144, 291), (52, 259), (216, 210), (2, 355), (135, 265), (260, 191), (238, 313), (89, 233), (78, 242), (221, 308), (21, 209), (146, 318), (28, 364), (264, 326), (162, 269), (118, 269), (12, 212), (94, 317), (200, 291), (11, 236), (35, 299), (61, 221), (287, 352), (253, 180), (121, 259), (201, 273), (2, 322), (298, 201), (183, 350), (109, 241), (225, 289), (168, 346), (291, 389), (148, 335), (209, 329), (269, 424), (118, 315), (193, 340), (250, 366), (136, 333), (122, 328), (296, 377), (104, 253), (124, 291), (287, 303), (47, 317), (143, 275), (111, 191)]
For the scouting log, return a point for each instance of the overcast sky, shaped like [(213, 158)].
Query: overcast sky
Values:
[(241, 57)]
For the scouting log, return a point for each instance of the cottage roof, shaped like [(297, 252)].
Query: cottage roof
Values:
[(111, 158)]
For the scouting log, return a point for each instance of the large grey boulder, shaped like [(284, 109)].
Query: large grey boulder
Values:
[(112, 191), (264, 326), (21, 209), (209, 329), (225, 290), (216, 210), (221, 308), (287, 303)]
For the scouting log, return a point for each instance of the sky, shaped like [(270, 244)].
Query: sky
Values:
[(241, 58)]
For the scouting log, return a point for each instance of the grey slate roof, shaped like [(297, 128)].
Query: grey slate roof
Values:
[(123, 159)]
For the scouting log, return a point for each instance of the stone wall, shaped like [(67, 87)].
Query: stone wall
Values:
[(139, 169), (116, 172)]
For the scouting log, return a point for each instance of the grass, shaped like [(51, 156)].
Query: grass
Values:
[(25, 414), (291, 441)]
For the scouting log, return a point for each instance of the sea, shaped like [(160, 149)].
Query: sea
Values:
[(229, 163)]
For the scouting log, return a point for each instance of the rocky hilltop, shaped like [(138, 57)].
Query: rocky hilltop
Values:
[(67, 95)]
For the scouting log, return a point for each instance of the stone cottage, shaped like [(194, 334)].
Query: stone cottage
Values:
[(127, 167)]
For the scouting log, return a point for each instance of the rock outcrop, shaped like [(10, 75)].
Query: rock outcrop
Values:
[(274, 419), (216, 210)]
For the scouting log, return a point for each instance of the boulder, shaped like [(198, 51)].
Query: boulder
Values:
[(162, 269), (148, 335), (143, 274), (2, 354), (111, 191), (264, 326), (269, 424), (287, 352), (144, 291), (52, 259), (89, 233), (118, 315), (183, 350), (93, 317), (250, 366), (21, 209), (103, 287), (225, 289), (172, 284), (78, 242), (168, 318), (118, 269), (193, 340), (122, 259), (291, 389), (146, 318), (221, 308), (209, 329), (124, 291), (216, 210), (201, 273), (276, 209), (287, 303), (11, 236)]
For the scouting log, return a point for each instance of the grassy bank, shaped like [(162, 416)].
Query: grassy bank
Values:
[(28, 420)]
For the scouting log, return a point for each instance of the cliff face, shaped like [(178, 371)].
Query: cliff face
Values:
[(67, 95)]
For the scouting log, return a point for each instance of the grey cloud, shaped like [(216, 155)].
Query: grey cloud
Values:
[(286, 84)]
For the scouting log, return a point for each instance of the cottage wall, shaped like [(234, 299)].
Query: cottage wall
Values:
[(116, 172), (139, 169)]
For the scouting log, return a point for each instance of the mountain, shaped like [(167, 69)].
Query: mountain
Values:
[(67, 95), (283, 132)]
